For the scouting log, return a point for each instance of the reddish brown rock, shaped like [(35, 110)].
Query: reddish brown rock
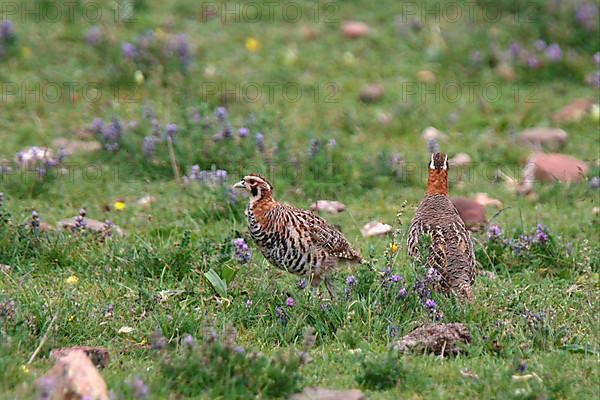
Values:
[(371, 93), (98, 355), (355, 29), (72, 377), (550, 167), (471, 212), (536, 138), (440, 339), (573, 112)]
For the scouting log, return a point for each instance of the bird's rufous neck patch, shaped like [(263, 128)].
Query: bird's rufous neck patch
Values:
[(437, 182)]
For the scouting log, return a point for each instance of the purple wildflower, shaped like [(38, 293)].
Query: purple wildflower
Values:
[(248, 303), (221, 113), (553, 52), (149, 145), (596, 58), (314, 147), (430, 304), (80, 222), (395, 278), (595, 182), (402, 293), (475, 58), (140, 389), (540, 234), (393, 331), (45, 387), (7, 32), (532, 62), (7, 309), (180, 46), (260, 142), (243, 132), (432, 146), (494, 232), (93, 36), (148, 113), (593, 79), (242, 251), (227, 132), (188, 341), (170, 131), (128, 51), (586, 13), (301, 284), (97, 126), (539, 45), (290, 302), (521, 367), (515, 49), (157, 340), (280, 315)]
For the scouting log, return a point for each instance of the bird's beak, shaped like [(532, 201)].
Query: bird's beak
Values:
[(239, 185)]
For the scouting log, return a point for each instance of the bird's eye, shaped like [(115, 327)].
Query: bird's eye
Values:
[(252, 181)]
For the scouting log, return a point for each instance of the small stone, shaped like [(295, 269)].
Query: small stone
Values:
[(538, 137), (375, 228), (76, 146), (329, 206), (355, 29), (146, 201), (426, 76), (72, 377), (309, 33), (471, 212), (488, 274), (328, 394), (92, 225), (505, 72), (487, 201), (573, 112), (371, 93), (439, 339), (548, 167), (5, 268), (459, 160), (98, 355), (432, 134)]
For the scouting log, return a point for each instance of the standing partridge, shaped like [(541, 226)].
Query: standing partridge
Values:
[(451, 249), (293, 239)]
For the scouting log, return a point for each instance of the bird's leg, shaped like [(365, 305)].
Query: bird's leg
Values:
[(314, 285), (328, 286)]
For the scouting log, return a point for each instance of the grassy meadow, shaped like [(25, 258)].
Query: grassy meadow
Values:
[(160, 107)]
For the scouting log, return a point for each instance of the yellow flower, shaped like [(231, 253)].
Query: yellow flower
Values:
[(71, 318), (119, 205), (393, 247), (25, 369), (72, 280), (25, 52), (139, 77), (252, 44), (143, 342)]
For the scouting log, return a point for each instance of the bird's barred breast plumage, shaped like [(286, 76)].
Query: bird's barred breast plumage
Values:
[(298, 241), (451, 249)]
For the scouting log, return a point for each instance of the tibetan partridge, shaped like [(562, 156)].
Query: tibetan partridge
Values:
[(451, 249), (293, 239)]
